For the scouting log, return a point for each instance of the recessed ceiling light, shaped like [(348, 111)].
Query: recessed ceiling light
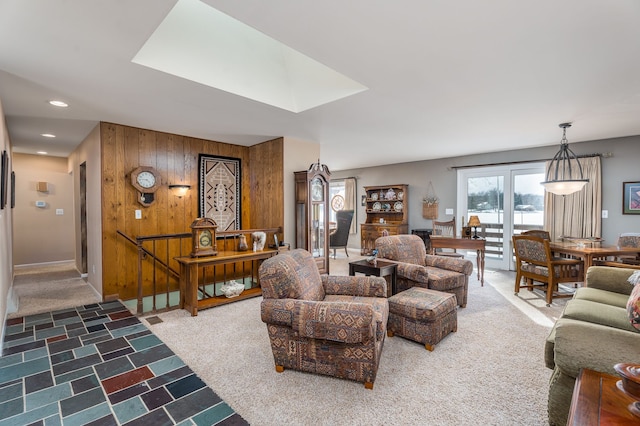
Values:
[(47, 135), (42, 152), (59, 103)]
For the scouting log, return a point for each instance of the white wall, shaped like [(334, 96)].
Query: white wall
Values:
[(6, 236), (621, 167), (89, 152), (40, 234), (298, 155)]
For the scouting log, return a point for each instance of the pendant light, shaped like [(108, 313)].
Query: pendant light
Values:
[(562, 179)]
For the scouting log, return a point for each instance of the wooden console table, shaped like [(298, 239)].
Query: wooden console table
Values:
[(598, 401), (190, 268), (477, 244)]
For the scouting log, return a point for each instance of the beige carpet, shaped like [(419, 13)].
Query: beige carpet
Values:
[(491, 372), (46, 288)]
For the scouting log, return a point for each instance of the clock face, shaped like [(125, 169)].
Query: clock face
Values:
[(205, 238), (146, 179), (317, 190)]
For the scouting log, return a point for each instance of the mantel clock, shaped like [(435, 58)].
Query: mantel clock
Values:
[(203, 235)]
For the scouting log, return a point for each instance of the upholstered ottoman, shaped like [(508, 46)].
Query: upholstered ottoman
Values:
[(422, 315)]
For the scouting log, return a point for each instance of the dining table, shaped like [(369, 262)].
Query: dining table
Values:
[(589, 251)]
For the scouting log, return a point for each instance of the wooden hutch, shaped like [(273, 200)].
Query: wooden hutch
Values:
[(387, 210)]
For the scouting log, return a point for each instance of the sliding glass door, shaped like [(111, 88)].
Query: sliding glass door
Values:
[(507, 199)]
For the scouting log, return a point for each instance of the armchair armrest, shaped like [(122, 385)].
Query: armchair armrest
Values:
[(449, 263), (413, 272), (354, 286), (578, 344)]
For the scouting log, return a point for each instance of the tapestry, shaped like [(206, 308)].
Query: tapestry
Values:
[(219, 191)]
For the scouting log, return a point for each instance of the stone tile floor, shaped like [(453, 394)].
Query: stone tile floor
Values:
[(98, 364)]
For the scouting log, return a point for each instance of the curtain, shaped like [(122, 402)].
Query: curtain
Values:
[(578, 214), (350, 202)]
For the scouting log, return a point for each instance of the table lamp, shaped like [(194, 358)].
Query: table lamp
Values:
[(474, 222)]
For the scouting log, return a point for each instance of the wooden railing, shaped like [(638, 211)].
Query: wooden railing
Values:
[(493, 233), (158, 276)]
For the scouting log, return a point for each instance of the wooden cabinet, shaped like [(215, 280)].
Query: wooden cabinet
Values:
[(387, 213), (312, 213)]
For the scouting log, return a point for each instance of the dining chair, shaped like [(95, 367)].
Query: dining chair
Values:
[(535, 263), (626, 239), (446, 229), (538, 233), (339, 237)]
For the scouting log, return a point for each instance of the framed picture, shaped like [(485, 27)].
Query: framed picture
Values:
[(13, 189), (219, 191), (630, 197), (4, 177)]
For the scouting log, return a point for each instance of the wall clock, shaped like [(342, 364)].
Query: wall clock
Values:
[(147, 181)]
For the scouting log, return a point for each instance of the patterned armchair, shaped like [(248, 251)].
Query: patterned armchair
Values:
[(332, 325), (534, 263), (416, 268)]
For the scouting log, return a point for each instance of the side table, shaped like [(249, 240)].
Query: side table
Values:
[(381, 268), (597, 400)]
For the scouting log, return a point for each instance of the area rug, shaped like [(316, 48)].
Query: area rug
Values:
[(490, 372)]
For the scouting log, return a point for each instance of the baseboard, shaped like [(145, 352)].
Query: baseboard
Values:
[(31, 265)]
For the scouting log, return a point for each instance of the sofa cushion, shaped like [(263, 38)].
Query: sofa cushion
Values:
[(601, 296), (597, 313), (633, 307)]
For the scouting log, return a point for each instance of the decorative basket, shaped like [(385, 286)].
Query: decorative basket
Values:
[(430, 203), (430, 211)]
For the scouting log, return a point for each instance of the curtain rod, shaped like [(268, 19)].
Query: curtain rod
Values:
[(506, 163), (348, 177)]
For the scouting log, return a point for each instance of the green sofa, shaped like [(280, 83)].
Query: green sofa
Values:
[(593, 332)]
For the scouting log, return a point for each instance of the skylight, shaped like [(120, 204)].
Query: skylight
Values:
[(202, 44)]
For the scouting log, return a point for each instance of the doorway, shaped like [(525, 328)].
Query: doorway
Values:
[(507, 199), (83, 218)]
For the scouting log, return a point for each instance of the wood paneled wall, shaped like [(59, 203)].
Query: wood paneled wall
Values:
[(175, 158)]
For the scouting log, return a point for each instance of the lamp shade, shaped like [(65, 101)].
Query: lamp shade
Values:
[(474, 221)]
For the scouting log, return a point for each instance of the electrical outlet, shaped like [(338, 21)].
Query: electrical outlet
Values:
[(138, 214), (59, 212), (605, 214)]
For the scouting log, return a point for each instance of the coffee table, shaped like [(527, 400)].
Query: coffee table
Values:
[(381, 268)]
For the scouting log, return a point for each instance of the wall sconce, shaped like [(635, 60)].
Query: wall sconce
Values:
[(179, 190), (474, 222), (564, 180)]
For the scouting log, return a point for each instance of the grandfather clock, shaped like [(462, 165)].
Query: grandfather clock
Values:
[(312, 213)]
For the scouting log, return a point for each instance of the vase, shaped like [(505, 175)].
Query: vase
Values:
[(242, 243)]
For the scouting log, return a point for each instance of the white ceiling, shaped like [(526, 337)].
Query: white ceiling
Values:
[(445, 78)]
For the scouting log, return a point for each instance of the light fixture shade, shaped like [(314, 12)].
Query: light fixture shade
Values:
[(564, 187), (179, 190), (562, 178), (474, 221)]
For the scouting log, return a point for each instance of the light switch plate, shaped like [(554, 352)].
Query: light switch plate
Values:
[(59, 212), (138, 214), (605, 214), (448, 211)]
